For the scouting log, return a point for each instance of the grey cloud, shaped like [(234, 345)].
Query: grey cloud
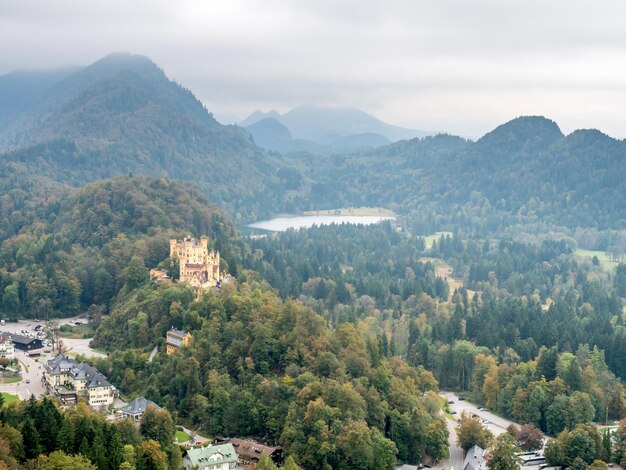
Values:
[(460, 66)]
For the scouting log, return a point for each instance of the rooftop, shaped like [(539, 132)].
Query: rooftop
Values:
[(78, 371), (139, 405), (252, 449), (474, 460), (223, 453), (175, 331)]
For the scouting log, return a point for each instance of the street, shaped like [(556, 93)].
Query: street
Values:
[(496, 424), (31, 369)]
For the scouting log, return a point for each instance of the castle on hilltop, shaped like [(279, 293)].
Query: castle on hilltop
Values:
[(198, 266)]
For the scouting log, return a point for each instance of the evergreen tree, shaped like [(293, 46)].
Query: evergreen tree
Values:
[(32, 446)]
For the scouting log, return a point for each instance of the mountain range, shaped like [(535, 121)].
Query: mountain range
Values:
[(122, 115), (323, 130)]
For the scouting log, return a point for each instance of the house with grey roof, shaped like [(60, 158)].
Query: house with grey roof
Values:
[(69, 379), (213, 457), (475, 459), (136, 408)]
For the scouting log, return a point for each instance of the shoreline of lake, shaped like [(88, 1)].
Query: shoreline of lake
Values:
[(281, 224)]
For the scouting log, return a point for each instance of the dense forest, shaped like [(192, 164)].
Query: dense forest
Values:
[(262, 367), (37, 435), (77, 250)]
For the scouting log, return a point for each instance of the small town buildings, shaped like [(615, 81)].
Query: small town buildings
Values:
[(25, 343), (475, 459), (136, 408), (176, 339), (213, 457), (6, 347), (69, 379), (250, 451), (198, 266)]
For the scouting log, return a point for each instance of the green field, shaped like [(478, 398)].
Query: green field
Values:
[(606, 263), (182, 436), (429, 239), (8, 397), (358, 211)]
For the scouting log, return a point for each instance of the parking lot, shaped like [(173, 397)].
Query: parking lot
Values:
[(31, 367)]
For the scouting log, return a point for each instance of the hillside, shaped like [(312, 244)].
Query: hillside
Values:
[(523, 173), (122, 115), (74, 249), (22, 89)]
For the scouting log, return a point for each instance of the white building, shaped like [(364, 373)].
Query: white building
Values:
[(6, 347)]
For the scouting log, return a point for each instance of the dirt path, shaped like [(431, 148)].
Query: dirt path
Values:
[(444, 271)]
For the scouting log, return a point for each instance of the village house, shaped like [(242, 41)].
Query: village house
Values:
[(68, 380), (214, 457), (176, 339), (136, 408), (475, 459), (250, 451), (6, 347), (25, 343)]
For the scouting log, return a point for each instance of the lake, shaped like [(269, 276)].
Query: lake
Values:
[(280, 224)]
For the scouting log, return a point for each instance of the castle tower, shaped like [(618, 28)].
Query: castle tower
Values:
[(197, 266)]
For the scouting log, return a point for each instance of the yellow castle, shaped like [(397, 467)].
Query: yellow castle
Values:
[(198, 266)]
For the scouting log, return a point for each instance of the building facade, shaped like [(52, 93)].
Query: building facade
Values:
[(197, 266), (69, 379), (6, 347), (214, 457), (176, 339)]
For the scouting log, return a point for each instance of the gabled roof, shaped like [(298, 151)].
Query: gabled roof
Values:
[(474, 459), (200, 456), (78, 371), (178, 332), (139, 405), (21, 339), (252, 450)]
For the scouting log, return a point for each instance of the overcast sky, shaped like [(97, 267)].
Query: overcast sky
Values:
[(461, 66)]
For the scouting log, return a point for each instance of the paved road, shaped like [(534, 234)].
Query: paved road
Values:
[(32, 368), (496, 424)]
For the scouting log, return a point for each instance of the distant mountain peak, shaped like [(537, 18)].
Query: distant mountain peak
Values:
[(322, 124), (528, 132)]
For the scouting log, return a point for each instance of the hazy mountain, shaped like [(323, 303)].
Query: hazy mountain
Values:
[(123, 115), (20, 90), (270, 134), (318, 124)]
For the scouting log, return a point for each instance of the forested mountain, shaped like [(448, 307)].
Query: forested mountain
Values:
[(122, 115), (78, 248), (525, 174), (257, 366), (22, 89)]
